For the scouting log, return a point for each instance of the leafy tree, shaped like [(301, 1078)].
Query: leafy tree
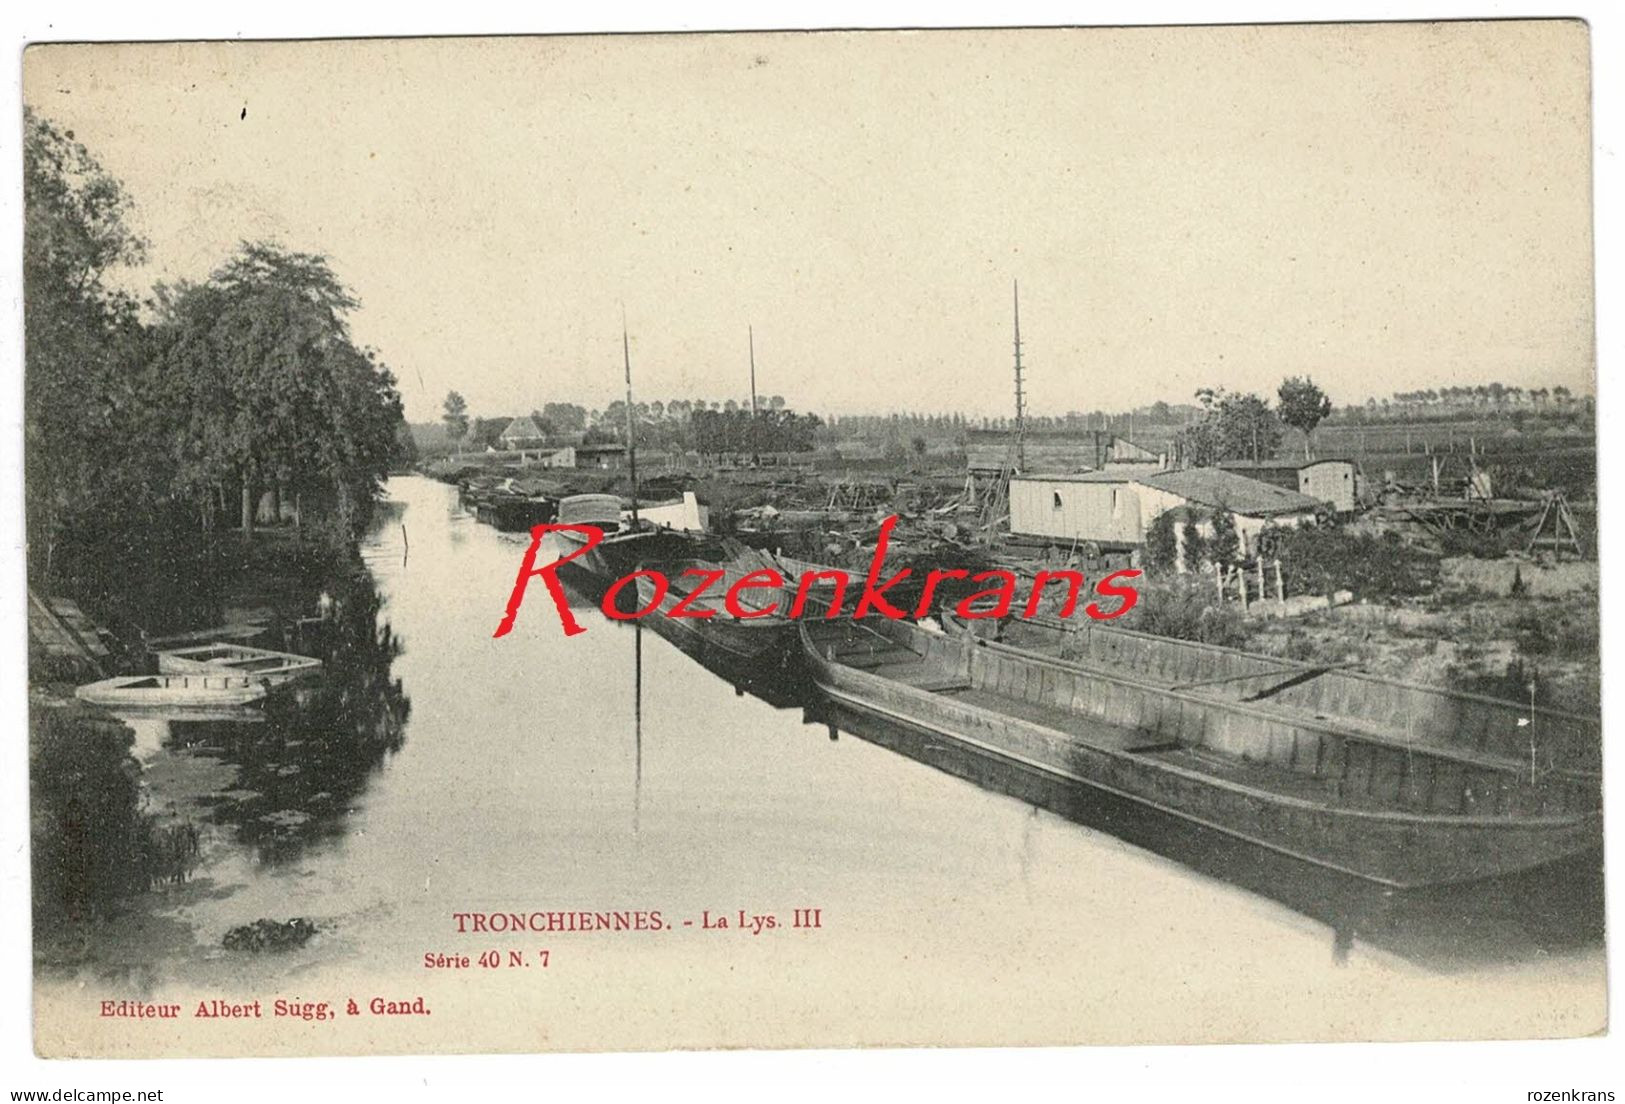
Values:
[(1232, 427), (274, 393), (406, 446), (88, 419), (544, 427), (485, 432), (1225, 546), (1303, 406), (455, 415), (713, 432)]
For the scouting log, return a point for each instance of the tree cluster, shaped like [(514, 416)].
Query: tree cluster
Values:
[(1243, 426), (1490, 394), (142, 416), (713, 433)]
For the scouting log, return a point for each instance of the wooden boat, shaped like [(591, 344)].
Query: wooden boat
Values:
[(1370, 803), (627, 545), (231, 634), (173, 691), (510, 512), (767, 642), (273, 668), (1428, 715)]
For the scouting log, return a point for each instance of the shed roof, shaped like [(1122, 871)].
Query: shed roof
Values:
[(1102, 476), (1236, 493), (1279, 465)]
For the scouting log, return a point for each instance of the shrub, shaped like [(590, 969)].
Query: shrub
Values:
[(91, 841), (1325, 559), (1195, 547), (1161, 545), (1225, 547), (1186, 609)]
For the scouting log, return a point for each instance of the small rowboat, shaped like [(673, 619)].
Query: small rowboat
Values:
[(180, 691), (273, 668)]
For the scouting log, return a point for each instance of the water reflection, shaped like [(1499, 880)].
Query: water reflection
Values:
[(783, 687), (1555, 909), (637, 726), (299, 771), (1549, 911)]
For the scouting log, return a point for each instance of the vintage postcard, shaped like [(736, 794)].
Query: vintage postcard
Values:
[(812, 539)]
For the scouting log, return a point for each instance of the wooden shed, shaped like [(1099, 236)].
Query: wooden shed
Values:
[(1334, 482), (1114, 508)]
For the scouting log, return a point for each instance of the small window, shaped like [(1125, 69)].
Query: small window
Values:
[(1057, 500)]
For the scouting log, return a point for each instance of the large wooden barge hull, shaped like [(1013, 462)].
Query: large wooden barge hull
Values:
[(1130, 726), (516, 513), (1431, 715), (767, 643)]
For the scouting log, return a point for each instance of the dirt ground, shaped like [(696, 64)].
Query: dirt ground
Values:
[(1461, 637)]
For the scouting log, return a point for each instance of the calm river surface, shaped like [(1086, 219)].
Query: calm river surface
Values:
[(445, 771)]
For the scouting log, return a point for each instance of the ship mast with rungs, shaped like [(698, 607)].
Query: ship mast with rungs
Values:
[(1021, 399), (631, 439)]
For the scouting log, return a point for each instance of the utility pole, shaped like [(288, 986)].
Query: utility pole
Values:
[(631, 440), (1021, 403), (751, 333)]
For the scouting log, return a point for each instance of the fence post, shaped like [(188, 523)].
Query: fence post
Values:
[(1241, 579), (1218, 580), (1280, 589)]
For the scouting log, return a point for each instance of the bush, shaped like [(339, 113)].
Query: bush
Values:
[(1161, 545), (1226, 545), (1187, 609), (91, 841), (1322, 559), (1195, 550)]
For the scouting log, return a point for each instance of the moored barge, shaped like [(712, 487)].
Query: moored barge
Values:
[(1370, 803)]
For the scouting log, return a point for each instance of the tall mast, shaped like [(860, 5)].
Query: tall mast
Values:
[(631, 440), (1021, 403), (637, 724), (751, 333)]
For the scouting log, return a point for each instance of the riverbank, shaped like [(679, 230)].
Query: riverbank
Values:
[(108, 853), (1462, 638), (642, 780)]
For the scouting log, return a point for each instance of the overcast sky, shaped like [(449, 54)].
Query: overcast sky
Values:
[(1383, 207)]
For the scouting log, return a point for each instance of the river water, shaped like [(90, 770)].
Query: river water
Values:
[(440, 771)]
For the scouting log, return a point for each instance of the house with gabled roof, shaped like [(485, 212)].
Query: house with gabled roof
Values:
[(522, 433)]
